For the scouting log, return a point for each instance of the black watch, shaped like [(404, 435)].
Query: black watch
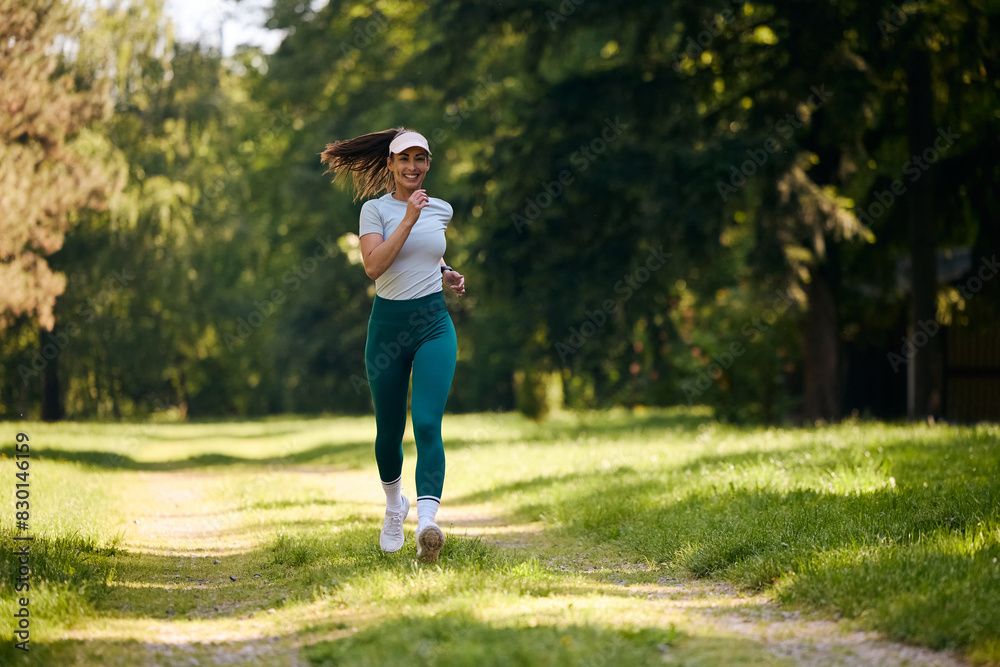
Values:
[(446, 268)]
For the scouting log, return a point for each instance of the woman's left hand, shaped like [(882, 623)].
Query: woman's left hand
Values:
[(456, 281)]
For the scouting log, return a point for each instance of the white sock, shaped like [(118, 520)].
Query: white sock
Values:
[(393, 499), (427, 507)]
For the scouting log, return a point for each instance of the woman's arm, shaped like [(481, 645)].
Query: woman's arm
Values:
[(378, 254)]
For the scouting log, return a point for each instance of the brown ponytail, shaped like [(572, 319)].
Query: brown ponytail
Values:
[(365, 158)]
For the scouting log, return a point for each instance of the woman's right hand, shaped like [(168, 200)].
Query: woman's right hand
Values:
[(416, 202)]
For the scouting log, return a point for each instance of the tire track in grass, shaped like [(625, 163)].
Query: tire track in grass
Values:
[(179, 521)]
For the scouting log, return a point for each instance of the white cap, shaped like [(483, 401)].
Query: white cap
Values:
[(408, 139)]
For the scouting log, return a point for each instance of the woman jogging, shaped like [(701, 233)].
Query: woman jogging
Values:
[(402, 245)]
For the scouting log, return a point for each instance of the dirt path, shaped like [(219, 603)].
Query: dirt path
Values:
[(177, 522), (177, 514), (720, 610)]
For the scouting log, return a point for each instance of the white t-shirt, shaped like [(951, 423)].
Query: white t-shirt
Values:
[(416, 271)]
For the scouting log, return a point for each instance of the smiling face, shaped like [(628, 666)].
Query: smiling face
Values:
[(409, 168)]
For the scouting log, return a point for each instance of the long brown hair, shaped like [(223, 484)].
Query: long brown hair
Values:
[(364, 158)]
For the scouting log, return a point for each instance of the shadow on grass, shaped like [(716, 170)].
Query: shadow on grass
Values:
[(288, 504), (464, 431), (728, 529), (354, 454), (616, 424), (337, 562), (107, 580), (905, 459), (221, 435), (937, 456), (532, 484)]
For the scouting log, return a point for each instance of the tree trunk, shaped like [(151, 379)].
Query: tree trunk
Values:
[(52, 405), (924, 372), (820, 356)]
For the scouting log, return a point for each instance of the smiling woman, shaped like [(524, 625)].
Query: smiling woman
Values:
[(402, 239)]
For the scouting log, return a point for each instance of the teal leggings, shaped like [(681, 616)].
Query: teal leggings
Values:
[(415, 334)]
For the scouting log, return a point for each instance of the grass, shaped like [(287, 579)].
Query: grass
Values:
[(898, 526), (455, 640), (609, 521)]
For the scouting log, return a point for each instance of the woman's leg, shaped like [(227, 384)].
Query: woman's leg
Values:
[(433, 370), (388, 368)]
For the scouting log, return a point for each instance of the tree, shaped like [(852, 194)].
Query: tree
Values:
[(50, 166)]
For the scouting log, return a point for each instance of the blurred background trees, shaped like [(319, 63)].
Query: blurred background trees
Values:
[(748, 206)]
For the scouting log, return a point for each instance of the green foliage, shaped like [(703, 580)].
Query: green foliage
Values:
[(52, 162), (743, 346), (537, 393), (629, 192)]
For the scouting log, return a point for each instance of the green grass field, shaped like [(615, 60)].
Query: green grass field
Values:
[(653, 537)]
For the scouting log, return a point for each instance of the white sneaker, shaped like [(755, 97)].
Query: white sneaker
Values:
[(391, 539), (430, 540)]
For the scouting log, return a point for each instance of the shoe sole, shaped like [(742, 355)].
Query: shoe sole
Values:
[(431, 542)]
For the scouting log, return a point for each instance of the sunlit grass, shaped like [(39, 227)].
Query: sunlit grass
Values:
[(896, 526)]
